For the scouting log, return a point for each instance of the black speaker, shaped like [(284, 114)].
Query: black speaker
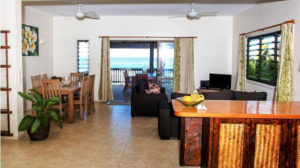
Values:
[(204, 84)]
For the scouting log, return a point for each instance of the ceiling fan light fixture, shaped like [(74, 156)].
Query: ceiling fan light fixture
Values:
[(79, 15), (192, 14)]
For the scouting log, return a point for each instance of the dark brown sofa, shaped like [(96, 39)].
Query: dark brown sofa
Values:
[(169, 125), (143, 104)]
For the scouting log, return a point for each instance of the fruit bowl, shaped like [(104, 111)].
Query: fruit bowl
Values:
[(192, 103)]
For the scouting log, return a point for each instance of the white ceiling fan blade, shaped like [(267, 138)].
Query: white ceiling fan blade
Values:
[(207, 13), (91, 15), (64, 13), (176, 16)]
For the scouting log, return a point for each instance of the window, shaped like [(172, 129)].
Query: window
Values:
[(83, 53), (263, 57)]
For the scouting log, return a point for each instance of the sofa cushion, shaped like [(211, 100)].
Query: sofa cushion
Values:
[(141, 85), (250, 95), (223, 95)]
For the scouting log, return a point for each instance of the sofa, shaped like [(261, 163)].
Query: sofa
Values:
[(144, 104), (169, 124)]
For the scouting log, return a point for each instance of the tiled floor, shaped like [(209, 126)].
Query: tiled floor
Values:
[(109, 138)]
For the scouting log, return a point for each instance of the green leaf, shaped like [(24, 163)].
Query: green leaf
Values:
[(38, 96), (25, 123), (44, 121), (37, 107), (53, 114), (27, 96), (36, 125), (52, 101)]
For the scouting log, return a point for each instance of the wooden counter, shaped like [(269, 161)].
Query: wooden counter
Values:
[(241, 109), (240, 134)]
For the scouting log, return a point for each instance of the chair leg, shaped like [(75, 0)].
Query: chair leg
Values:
[(93, 105), (81, 112), (86, 107), (125, 87)]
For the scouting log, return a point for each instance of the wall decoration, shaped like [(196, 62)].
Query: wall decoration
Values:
[(30, 40)]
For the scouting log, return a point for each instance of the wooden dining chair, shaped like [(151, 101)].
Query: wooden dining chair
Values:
[(128, 81), (52, 88), (44, 76), (76, 76), (91, 79), (36, 81), (82, 102), (141, 76)]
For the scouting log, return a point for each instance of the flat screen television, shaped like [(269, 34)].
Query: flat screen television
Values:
[(219, 81)]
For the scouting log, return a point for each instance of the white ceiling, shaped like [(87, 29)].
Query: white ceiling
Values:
[(142, 9)]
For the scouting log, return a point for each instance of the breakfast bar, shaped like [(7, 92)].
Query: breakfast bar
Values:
[(240, 134)]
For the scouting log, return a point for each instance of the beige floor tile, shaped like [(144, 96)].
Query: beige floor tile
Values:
[(109, 138)]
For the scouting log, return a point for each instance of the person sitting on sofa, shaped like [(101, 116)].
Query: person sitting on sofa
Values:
[(169, 124)]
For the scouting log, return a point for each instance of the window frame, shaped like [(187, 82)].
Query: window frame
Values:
[(77, 43), (276, 34)]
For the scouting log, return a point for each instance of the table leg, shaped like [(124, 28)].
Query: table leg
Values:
[(71, 108), (190, 141)]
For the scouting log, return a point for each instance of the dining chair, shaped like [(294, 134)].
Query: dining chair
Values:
[(83, 99), (44, 76), (52, 88), (76, 76), (91, 81), (128, 81), (36, 81), (141, 76)]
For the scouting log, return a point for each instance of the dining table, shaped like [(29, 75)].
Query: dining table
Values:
[(68, 90)]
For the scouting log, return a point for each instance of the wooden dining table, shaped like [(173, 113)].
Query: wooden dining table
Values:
[(68, 90)]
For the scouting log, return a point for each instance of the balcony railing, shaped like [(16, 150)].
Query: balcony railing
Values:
[(117, 74)]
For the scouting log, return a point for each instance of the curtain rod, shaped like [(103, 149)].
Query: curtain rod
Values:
[(262, 29), (148, 37)]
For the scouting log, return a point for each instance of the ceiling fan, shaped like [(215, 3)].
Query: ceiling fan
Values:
[(192, 14), (82, 15)]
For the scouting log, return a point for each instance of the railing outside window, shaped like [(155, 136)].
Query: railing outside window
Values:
[(117, 74)]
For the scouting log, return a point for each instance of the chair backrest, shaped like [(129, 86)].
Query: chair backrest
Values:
[(91, 79), (76, 76), (51, 88), (126, 76), (141, 76), (36, 81), (149, 70), (84, 92), (44, 76)]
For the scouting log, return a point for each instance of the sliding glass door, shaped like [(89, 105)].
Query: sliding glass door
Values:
[(165, 64)]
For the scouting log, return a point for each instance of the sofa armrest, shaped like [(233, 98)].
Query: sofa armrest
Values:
[(164, 120)]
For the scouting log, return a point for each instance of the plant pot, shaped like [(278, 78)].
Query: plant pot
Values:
[(41, 134)]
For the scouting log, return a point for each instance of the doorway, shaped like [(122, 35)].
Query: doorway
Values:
[(135, 57)]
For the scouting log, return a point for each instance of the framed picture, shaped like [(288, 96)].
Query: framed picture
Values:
[(30, 40)]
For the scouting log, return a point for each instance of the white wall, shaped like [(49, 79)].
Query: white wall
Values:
[(10, 19), (213, 47), (263, 15), (34, 65)]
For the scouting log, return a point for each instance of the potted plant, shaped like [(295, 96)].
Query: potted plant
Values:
[(38, 127)]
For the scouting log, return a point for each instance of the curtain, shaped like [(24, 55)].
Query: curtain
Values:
[(184, 65), (241, 75), (105, 87), (285, 80)]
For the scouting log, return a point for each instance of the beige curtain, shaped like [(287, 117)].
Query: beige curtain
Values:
[(105, 87), (184, 65), (241, 74), (285, 81)]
